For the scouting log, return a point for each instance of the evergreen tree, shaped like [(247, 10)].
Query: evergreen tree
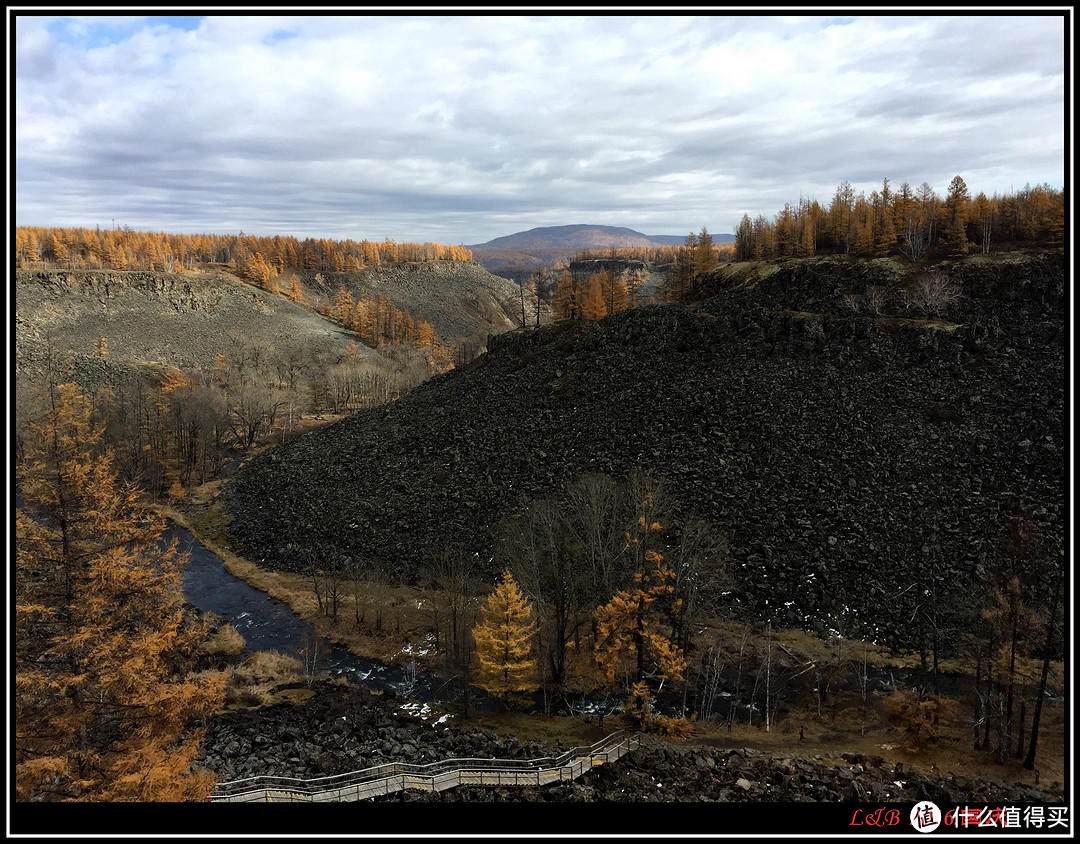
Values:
[(504, 636), (295, 294), (744, 239), (567, 305), (956, 216), (705, 258), (630, 643), (105, 706), (593, 305)]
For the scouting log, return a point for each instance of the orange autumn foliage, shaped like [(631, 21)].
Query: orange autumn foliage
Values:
[(105, 706)]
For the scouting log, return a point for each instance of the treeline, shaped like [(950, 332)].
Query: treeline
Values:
[(653, 255), (597, 295), (610, 290), (126, 249), (913, 222)]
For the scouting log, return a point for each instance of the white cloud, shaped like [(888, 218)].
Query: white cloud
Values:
[(462, 129)]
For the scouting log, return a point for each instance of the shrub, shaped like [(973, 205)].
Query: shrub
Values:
[(227, 640), (640, 716), (933, 293), (875, 298), (914, 715)]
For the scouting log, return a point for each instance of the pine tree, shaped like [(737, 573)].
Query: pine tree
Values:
[(504, 636), (593, 305), (105, 707), (630, 643), (343, 308), (295, 294), (566, 304), (705, 259), (956, 216)]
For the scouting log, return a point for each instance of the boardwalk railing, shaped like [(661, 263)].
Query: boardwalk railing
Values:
[(436, 776)]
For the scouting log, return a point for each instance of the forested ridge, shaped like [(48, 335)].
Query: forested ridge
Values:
[(122, 249), (916, 224)]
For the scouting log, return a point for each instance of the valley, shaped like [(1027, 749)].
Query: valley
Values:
[(837, 462)]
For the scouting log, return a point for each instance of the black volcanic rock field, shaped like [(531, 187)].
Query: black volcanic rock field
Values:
[(849, 450), (343, 729)]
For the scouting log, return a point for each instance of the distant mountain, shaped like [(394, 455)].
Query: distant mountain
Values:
[(518, 256), (581, 237)]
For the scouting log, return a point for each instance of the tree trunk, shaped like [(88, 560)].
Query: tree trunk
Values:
[(1007, 723), (1029, 761), (1020, 731)]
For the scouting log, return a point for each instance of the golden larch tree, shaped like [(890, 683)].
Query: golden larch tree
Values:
[(343, 307), (956, 217), (106, 707), (295, 294), (566, 304), (630, 641), (593, 305), (504, 634)]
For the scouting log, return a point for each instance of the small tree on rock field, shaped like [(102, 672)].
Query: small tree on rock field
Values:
[(504, 633), (629, 641), (639, 715)]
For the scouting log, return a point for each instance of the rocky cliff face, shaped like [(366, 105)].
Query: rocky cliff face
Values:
[(180, 320), (850, 451)]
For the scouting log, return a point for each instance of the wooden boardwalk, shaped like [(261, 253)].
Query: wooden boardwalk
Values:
[(436, 776)]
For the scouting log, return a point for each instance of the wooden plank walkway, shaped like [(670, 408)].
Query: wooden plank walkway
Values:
[(436, 776)]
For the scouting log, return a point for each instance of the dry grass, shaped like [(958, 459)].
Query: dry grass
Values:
[(252, 683), (844, 728), (226, 641)]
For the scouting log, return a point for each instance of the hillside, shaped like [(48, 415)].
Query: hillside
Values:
[(180, 320), (847, 453), (460, 299), (186, 320)]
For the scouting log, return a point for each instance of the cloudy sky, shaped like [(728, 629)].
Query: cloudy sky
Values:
[(460, 129)]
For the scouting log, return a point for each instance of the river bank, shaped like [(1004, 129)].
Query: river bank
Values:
[(398, 633)]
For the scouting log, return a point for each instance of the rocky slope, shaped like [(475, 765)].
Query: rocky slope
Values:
[(460, 299), (181, 320), (848, 454), (342, 728), (185, 320)]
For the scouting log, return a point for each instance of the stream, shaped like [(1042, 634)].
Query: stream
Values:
[(270, 625)]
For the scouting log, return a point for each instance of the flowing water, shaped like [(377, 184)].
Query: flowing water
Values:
[(270, 625)]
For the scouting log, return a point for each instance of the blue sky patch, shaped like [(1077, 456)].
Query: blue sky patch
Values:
[(89, 31)]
